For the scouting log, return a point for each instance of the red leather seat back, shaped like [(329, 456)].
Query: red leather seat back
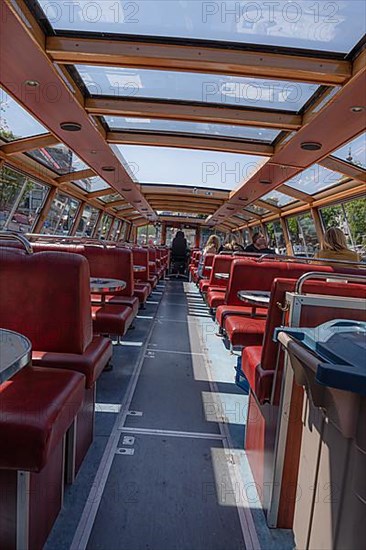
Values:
[(220, 264), (253, 275), (46, 297), (141, 257), (113, 263), (208, 261)]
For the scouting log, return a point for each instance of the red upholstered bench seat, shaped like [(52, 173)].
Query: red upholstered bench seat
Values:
[(244, 331), (130, 301), (215, 298), (91, 363), (224, 310), (142, 291), (111, 319), (260, 380), (38, 406)]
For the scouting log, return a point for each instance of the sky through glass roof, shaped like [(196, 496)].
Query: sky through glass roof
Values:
[(16, 122), (170, 166), (321, 25), (182, 127), (354, 152), (315, 179), (185, 86)]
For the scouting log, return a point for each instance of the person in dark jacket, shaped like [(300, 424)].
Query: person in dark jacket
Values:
[(259, 245), (180, 251)]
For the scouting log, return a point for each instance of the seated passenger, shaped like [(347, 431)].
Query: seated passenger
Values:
[(179, 252), (232, 244), (212, 247), (259, 245), (335, 247)]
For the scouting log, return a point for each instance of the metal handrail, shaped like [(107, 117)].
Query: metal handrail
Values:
[(9, 235), (327, 275)]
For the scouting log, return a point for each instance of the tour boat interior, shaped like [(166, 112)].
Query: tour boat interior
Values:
[(152, 398)]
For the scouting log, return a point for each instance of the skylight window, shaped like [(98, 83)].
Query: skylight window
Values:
[(92, 184), (58, 158), (181, 127), (354, 152), (188, 167), (315, 179), (277, 198), (321, 25), (16, 122), (205, 88)]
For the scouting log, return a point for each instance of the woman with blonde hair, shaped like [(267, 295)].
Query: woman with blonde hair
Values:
[(212, 245), (335, 247)]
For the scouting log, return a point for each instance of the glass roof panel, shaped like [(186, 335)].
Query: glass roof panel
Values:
[(58, 158), (321, 25), (111, 198), (315, 179), (184, 86), (182, 127), (16, 122), (180, 214), (188, 167), (277, 198), (253, 208), (92, 184), (354, 152)]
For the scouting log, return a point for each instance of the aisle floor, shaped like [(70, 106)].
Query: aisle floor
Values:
[(167, 469)]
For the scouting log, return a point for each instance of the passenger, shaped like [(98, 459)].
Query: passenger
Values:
[(212, 247), (335, 247), (232, 244), (259, 245), (180, 252)]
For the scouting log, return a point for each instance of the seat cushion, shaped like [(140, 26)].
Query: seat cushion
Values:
[(130, 301), (244, 331), (260, 380), (204, 284), (37, 408), (224, 310), (215, 298), (153, 280), (111, 319), (142, 293), (90, 363)]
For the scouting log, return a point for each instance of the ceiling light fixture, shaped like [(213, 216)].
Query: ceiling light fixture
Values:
[(32, 83), (311, 146), (357, 109), (108, 168), (265, 182), (126, 189), (70, 126), (243, 198), (230, 208)]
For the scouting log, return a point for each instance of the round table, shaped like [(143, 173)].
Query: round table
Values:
[(222, 275), (15, 353), (258, 298), (139, 268), (103, 286)]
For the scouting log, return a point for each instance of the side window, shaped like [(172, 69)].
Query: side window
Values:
[(21, 200), (303, 235), (61, 215), (87, 222)]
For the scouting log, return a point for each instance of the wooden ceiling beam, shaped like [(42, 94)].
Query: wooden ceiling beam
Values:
[(345, 168), (197, 142), (202, 59), (29, 144), (78, 175), (294, 193), (216, 114), (267, 206)]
